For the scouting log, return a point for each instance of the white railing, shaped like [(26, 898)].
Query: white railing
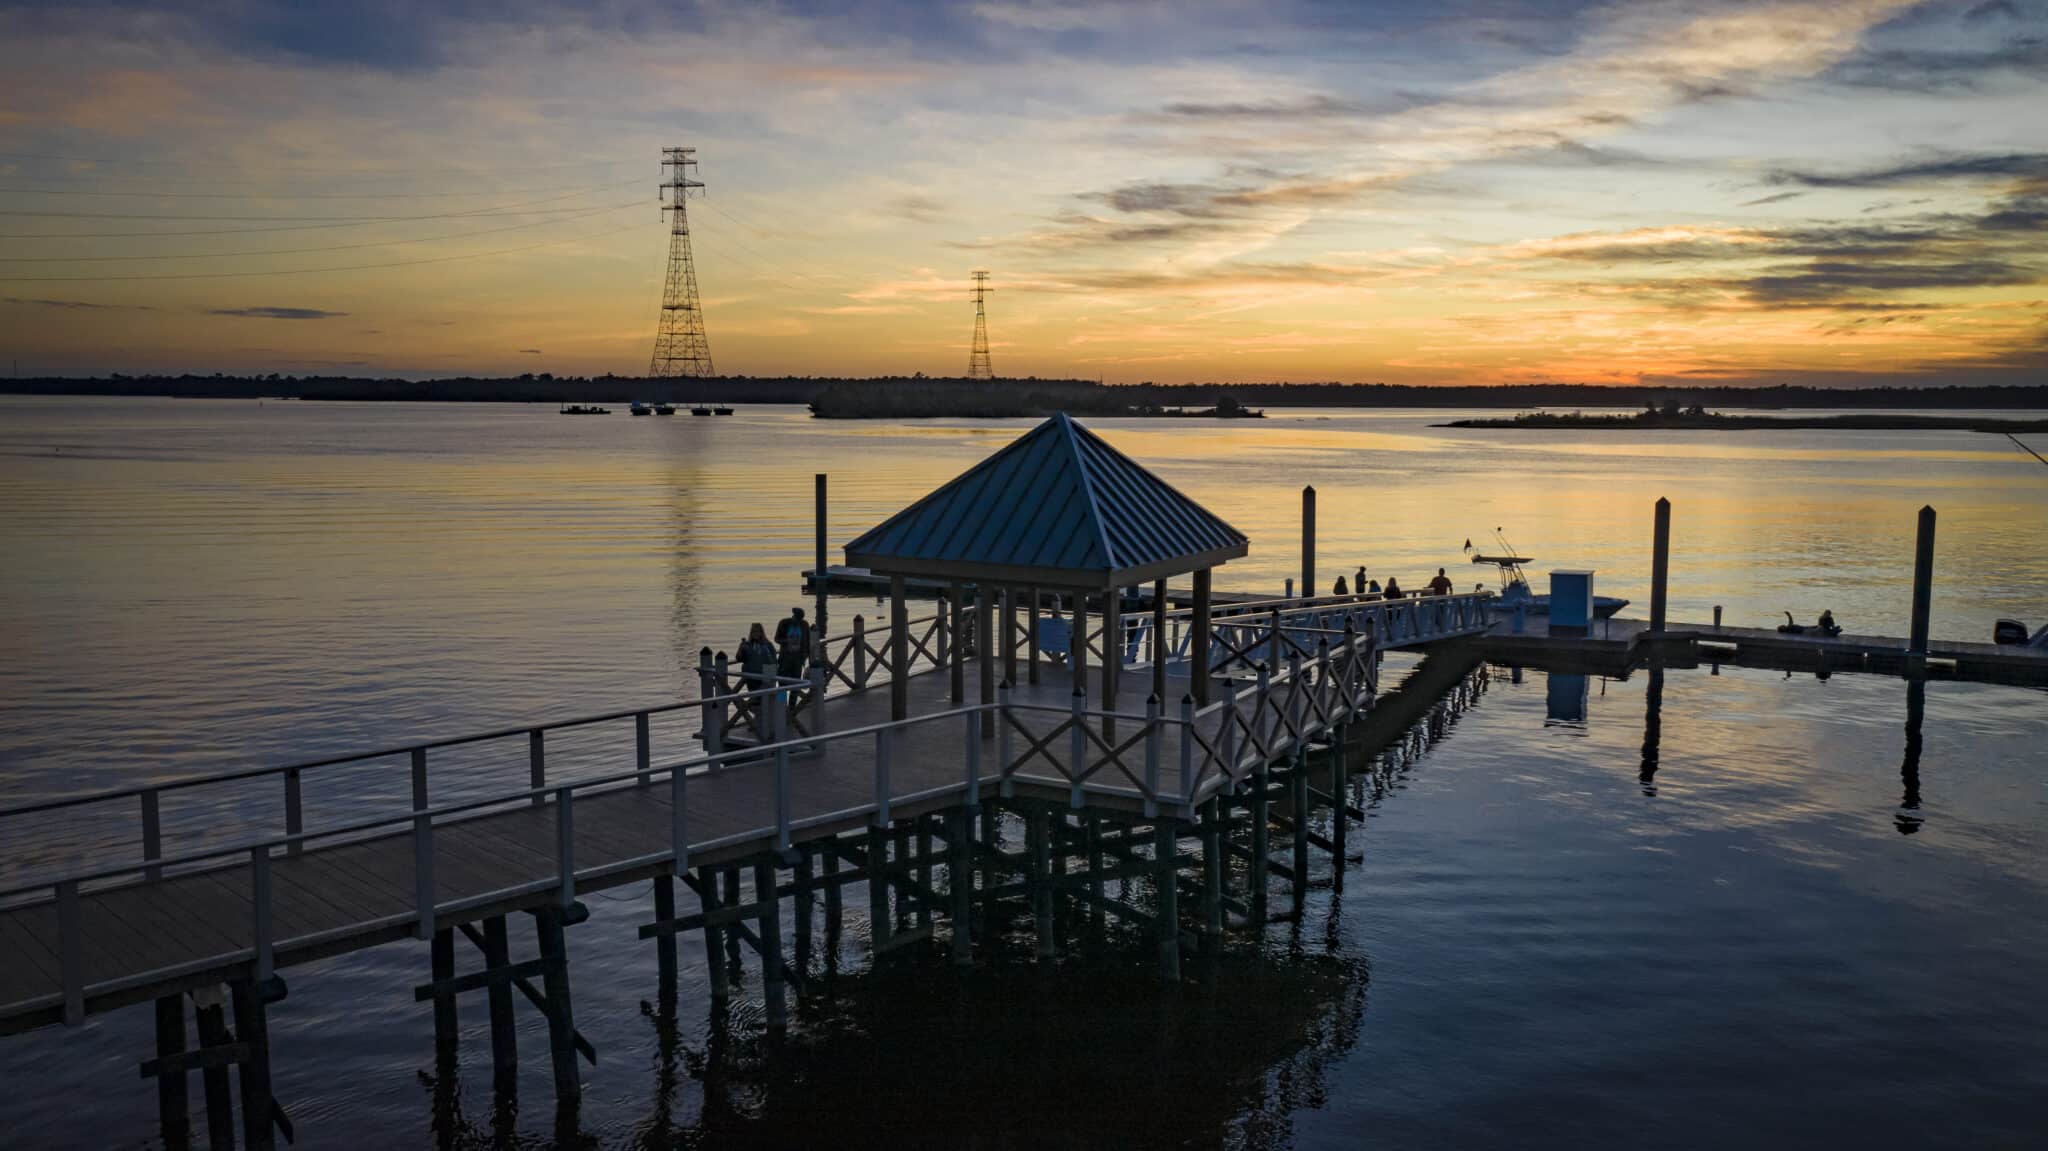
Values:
[(1322, 678)]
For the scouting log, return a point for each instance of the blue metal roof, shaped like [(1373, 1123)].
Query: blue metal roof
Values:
[(1057, 506)]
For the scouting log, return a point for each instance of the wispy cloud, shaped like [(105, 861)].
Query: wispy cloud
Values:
[(276, 313)]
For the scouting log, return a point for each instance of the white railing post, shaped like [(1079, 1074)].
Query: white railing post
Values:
[(70, 952), (537, 763), (1187, 756), (885, 745), (422, 848), (643, 749), (259, 899), (974, 760), (152, 835), (778, 726), (818, 682), (1151, 756), (565, 845), (294, 810), (860, 652), (1077, 745), (679, 819)]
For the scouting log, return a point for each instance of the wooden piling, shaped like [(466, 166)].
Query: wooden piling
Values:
[(729, 890), (879, 921), (504, 1031), (173, 1097), (803, 905), (1301, 826), (665, 943), (1923, 581), (554, 952), (960, 882), (446, 1033), (1660, 564), (1094, 843), (832, 905), (1261, 845), (1213, 846), (714, 937), (924, 870), (209, 1021), (818, 606), (1166, 854), (1308, 541), (252, 1028), (772, 995), (1038, 834), (1340, 802), (1198, 651)]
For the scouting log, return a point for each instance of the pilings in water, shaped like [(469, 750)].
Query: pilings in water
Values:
[(1923, 582), (245, 1050), (1660, 564)]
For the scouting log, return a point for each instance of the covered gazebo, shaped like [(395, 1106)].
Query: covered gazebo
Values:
[(1056, 512)]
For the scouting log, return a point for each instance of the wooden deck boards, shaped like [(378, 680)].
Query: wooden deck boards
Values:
[(343, 891)]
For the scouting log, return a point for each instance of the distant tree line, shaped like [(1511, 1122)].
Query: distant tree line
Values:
[(907, 397)]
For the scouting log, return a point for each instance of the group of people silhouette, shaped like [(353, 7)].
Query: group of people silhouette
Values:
[(1441, 585)]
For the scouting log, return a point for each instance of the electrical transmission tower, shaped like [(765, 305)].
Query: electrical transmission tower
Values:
[(977, 360), (680, 348)]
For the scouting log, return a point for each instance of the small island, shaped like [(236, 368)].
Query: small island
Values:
[(1670, 416)]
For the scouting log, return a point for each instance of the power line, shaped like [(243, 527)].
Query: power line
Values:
[(736, 240), (125, 162), (501, 209), (154, 194), (579, 214), (311, 271)]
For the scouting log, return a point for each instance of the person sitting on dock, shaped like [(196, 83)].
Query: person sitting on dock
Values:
[(792, 644), (1827, 625), (1393, 588), (1342, 588), (1441, 585)]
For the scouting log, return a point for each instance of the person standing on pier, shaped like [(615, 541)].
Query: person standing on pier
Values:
[(1441, 585), (756, 656), (792, 644)]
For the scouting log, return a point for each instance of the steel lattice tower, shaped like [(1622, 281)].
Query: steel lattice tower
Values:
[(680, 348), (977, 359)]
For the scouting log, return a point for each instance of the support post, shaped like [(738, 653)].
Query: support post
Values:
[(1660, 564), (714, 937), (1213, 844), (1039, 829), (1198, 658), (554, 951), (537, 763), (1166, 854), (1077, 643), (880, 924), (960, 882), (1262, 780), (504, 1031), (1923, 581), (771, 946), (173, 1098), (210, 1022), (664, 943), (447, 1033), (802, 906), (1009, 608), (423, 848), (253, 1030), (899, 651), (1301, 811), (1112, 653), (1340, 802), (1308, 541)]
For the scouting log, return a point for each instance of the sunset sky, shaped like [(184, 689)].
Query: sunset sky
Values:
[(1442, 193)]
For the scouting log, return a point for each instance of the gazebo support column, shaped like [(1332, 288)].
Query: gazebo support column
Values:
[(1031, 634), (1009, 638), (899, 651), (1112, 652), (1198, 654), (1077, 644), (956, 613), (1159, 650), (985, 646)]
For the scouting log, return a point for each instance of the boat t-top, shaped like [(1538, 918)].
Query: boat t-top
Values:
[(1514, 585)]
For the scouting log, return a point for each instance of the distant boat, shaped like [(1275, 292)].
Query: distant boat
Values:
[(583, 410), (1514, 586), (664, 409), (721, 411), (640, 409), (700, 410)]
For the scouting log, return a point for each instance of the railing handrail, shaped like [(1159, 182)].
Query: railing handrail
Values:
[(783, 683)]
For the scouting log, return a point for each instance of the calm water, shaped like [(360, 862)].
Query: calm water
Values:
[(1772, 924)]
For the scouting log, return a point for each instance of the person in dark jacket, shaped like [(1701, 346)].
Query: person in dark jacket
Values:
[(792, 644), (756, 656), (1342, 588), (1393, 588)]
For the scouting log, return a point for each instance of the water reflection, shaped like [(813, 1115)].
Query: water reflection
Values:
[(1653, 729), (1565, 698), (1908, 819)]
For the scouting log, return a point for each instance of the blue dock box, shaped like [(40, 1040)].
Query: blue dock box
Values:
[(1571, 602)]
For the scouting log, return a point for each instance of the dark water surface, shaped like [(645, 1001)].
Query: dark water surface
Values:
[(1690, 910), (1747, 913)]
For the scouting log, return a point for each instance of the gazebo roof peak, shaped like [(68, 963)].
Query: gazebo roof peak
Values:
[(1059, 507)]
